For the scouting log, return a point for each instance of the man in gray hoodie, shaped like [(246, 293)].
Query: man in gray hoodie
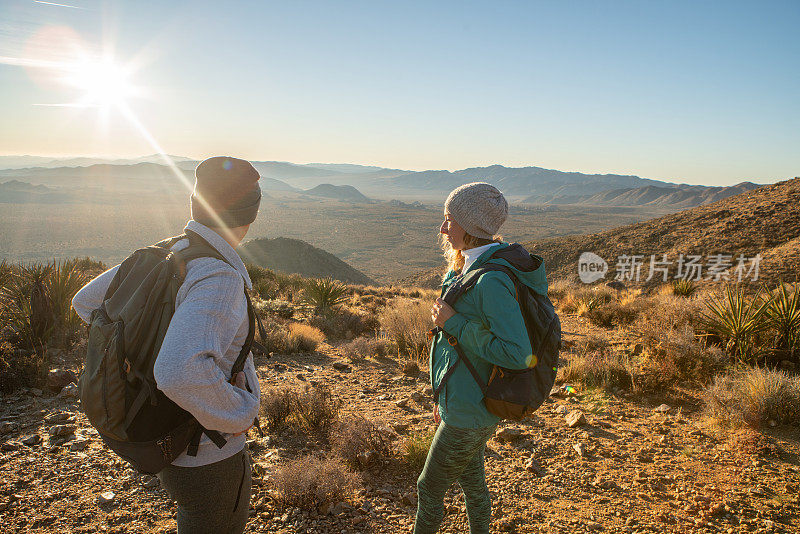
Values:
[(204, 338)]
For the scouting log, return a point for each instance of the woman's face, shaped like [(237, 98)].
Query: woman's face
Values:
[(454, 233)]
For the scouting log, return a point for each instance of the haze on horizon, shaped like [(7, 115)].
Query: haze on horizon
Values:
[(683, 92)]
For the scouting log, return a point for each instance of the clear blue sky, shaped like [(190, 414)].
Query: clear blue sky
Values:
[(698, 92)]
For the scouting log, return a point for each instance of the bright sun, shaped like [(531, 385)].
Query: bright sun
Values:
[(105, 84)]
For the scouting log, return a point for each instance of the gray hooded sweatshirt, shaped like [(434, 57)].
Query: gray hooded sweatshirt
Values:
[(202, 342)]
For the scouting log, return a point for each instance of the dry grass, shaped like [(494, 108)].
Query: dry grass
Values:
[(345, 323), (360, 442), (303, 338), (312, 483), (679, 357), (364, 347), (407, 324), (598, 369), (415, 450), (277, 405), (582, 300), (754, 397)]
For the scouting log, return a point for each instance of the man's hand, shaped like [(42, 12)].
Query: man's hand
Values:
[(240, 381), (437, 418), (441, 312)]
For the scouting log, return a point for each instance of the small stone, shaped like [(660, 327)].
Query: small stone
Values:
[(6, 427), (575, 418), (342, 367), (416, 396), (400, 428), (36, 392), (79, 444), (663, 408), (58, 417), (409, 499), (11, 445), (508, 434), (580, 448), (33, 439), (366, 458), (61, 430), (402, 403), (58, 378), (151, 482), (70, 391), (105, 497)]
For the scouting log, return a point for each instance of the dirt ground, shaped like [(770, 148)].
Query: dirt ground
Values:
[(634, 466)]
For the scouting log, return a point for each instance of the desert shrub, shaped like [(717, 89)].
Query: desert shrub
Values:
[(683, 287), (314, 409), (591, 343), (407, 323), (27, 308), (582, 300), (666, 313), (275, 308), (258, 274), (266, 289), (737, 319), (754, 396), (599, 369), (20, 368), (312, 483), (303, 338), (415, 449), (277, 405), (62, 283), (88, 266), (288, 285), (317, 408), (359, 442), (344, 323), (616, 314), (322, 294), (679, 357), (365, 347), (558, 289)]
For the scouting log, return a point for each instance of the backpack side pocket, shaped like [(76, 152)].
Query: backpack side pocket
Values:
[(102, 382)]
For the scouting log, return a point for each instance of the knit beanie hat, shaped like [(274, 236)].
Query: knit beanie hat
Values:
[(479, 208), (229, 189)]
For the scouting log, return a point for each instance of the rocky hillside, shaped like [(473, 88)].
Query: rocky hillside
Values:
[(764, 221), (295, 256), (674, 196)]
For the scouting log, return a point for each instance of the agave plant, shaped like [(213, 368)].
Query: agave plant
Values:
[(62, 282), (737, 320), (323, 294), (783, 315), (683, 287), (27, 306)]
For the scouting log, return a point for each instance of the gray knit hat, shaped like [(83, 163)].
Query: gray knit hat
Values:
[(230, 191), (479, 208)]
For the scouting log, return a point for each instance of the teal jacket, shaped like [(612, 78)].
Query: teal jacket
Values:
[(489, 326)]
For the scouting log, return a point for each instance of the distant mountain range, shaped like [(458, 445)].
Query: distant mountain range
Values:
[(525, 185), (296, 256)]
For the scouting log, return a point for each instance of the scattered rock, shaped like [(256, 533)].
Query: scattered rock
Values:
[(342, 367), (400, 428), (6, 427), (58, 417), (70, 391), (33, 439), (663, 408), (36, 392), (11, 445), (409, 499), (508, 434), (105, 497), (57, 379), (575, 418), (580, 448), (151, 482), (366, 458), (61, 430), (402, 403), (79, 444)]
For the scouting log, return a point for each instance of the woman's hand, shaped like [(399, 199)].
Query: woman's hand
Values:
[(441, 312)]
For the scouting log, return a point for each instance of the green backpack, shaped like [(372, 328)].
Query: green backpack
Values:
[(117, 388)]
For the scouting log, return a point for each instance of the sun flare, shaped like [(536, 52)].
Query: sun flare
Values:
[(104, 83)]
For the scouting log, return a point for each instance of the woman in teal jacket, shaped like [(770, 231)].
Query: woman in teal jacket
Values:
[(490, 329)]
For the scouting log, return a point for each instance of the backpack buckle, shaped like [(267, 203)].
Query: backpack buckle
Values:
[(452, 340)]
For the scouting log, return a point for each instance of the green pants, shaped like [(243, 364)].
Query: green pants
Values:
[(456, 454), (213, 498)]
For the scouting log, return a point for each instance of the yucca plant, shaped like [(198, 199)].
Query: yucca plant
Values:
[(783, 316), (27, 307), (63, 280), (737, 320), (683, 287), (588, 302), (323, 294)]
